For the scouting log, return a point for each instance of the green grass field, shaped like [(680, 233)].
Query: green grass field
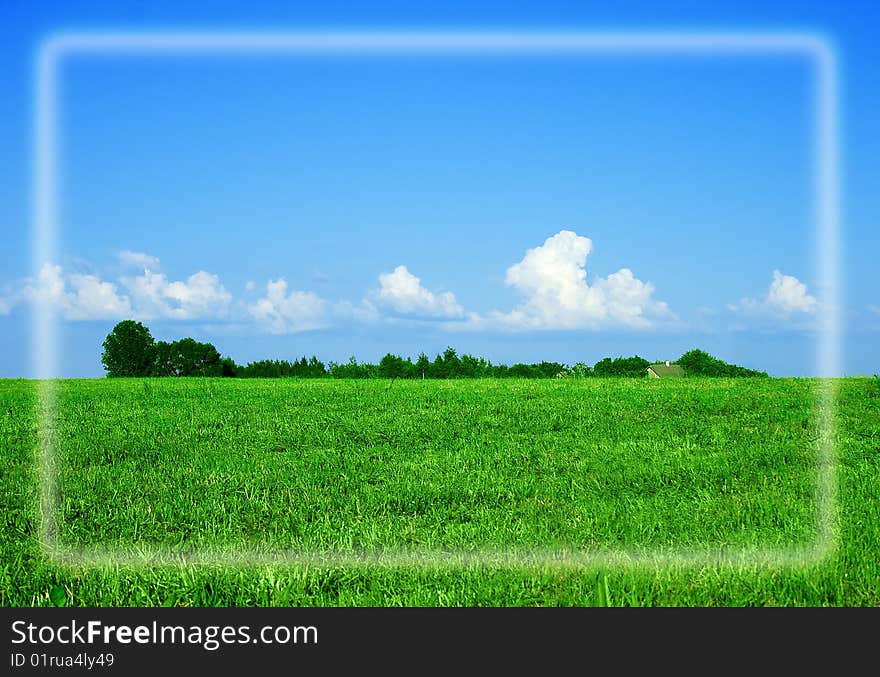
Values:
[(348, 479)]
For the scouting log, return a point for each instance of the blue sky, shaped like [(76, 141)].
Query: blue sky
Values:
[(519, 207)]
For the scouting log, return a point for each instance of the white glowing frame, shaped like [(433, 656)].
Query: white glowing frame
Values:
[(815, 48)]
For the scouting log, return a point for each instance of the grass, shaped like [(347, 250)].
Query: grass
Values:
[(190, 465)]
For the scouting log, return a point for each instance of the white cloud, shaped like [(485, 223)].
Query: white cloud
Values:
[(282, 312), (365, 311), (790, 294), (92, 299), (629, 300), (154, 296), (403, 292), (9, 298), (139, 260), (201, 296), (77, 296), (552, 279), (48, 287), (786, 296)]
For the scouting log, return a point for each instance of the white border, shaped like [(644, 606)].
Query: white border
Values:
[(815, 48)]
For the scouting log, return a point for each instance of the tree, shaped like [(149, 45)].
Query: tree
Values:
[(581, 370), (522, 370), (128, 350), (316, 368), (394, 366), (423, 366), (471, 366), (353, 369), (700, 363), (228, 367), (193, 358), (186, 357), (163, 359), (447, 365), (634, 366), (549, 369)]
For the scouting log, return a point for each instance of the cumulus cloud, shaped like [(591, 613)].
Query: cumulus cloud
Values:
[(552, 279), (150, 295), (790, 294), (139, 260), (281, 312), (76, 296), (48, 287), (365, 311), (10, 296), (403, 292), (154, 296), (786, 296), (144, 293), (200, 296), (92, 299)]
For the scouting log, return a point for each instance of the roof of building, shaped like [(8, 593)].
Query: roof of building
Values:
[(665, 371)]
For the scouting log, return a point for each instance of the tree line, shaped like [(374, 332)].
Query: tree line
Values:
[(131, 350)]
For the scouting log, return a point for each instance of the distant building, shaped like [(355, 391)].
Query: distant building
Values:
[(666, 370)]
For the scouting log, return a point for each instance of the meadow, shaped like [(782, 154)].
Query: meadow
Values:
[(314, 492)]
